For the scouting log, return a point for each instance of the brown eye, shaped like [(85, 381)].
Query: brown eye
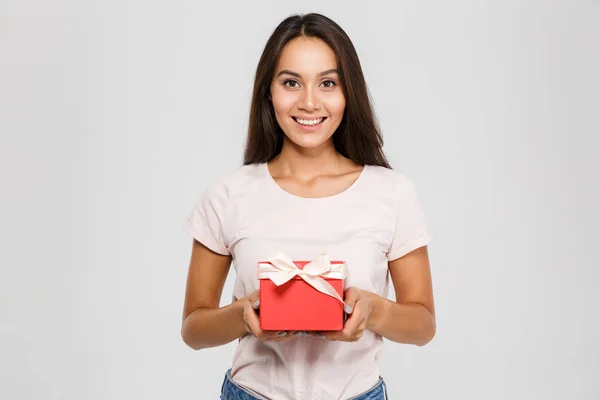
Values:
[(285, 83), (331, 84)]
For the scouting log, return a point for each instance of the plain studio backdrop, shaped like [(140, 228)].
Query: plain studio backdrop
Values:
[(116, 115)]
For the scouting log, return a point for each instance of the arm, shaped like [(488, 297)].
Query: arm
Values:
[(204, 324), (411, 318)]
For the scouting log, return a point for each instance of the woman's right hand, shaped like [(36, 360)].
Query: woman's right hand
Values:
[(251, 308)]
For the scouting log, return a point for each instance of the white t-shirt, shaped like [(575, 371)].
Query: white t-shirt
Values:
[(246, 214)]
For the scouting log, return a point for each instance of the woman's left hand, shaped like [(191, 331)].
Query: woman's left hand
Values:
[(358, 307)]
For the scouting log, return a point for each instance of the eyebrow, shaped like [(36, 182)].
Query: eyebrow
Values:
[(297, 75)]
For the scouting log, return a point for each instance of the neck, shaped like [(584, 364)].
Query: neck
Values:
[(306, 163)]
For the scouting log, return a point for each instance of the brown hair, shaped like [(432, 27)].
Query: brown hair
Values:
[(358, 136)]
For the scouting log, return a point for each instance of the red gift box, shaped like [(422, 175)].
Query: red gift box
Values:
[(290, 302)]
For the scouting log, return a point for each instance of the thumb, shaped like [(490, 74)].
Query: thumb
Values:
[(254, 299), (351, 296)]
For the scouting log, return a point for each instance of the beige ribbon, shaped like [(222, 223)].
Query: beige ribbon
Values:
[(280, 269)]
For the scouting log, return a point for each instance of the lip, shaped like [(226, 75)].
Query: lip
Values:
[(307, 117)]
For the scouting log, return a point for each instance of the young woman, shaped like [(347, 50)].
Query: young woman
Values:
[(314, 180)]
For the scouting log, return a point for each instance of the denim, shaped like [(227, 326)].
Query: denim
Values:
[(231, 391)]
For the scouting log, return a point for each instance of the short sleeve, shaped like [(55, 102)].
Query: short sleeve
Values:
[(411, 230), (206, 221)]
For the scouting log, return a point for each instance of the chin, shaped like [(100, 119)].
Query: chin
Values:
[(307, 142)]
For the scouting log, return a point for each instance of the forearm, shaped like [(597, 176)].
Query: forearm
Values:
[(408, 323), (211, 327)]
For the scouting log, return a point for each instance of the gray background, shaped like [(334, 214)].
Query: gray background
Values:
[(116, 115)]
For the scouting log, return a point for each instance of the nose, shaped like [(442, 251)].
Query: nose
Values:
[(309, 100)]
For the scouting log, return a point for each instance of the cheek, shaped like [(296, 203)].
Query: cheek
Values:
[(337, 105), (282, 101)]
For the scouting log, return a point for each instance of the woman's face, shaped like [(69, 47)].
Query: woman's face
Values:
[(306, 94)]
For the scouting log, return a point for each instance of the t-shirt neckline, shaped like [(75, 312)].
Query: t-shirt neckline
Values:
[(345, 192)]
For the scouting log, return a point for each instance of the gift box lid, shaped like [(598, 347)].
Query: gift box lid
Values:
[(302, 264)]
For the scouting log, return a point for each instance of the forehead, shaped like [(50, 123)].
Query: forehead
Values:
[(307, 56)]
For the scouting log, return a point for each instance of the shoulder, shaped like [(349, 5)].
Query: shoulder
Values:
[(396, 181), (226, 184)]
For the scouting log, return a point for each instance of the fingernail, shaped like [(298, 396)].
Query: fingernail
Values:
[(348, 309), (256, 304), (282, 333), (320, 336), (299, 333)]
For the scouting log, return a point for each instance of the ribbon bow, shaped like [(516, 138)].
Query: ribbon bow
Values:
[(280, 269)]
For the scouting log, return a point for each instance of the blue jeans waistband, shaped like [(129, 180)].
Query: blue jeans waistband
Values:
[(231, 391)]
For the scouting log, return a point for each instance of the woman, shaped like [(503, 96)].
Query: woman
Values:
[(314, 180)]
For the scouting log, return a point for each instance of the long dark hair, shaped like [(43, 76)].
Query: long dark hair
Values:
[(358, 136)]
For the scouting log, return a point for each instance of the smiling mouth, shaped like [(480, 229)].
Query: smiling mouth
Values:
[(314, 122)]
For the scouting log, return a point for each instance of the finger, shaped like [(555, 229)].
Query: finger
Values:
[(300, 333), (277, 336), (271, 336), (351, 296), (330, 335), (280, 336), (351, 326), (252, 320), (254, 299), (353, 321), (318, 335)]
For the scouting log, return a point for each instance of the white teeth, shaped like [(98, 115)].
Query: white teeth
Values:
[(309, 122)]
